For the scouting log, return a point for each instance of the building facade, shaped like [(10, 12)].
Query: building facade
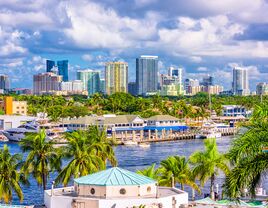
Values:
[(12, 107), (207, 81), (262, 88), (189, 84), (4, 82), (50, 64), (63, 69), (90, 79), (116, 77), (73, 87), (147, 74), (46, 83), (240, 81), (115, 187), (132, 88)]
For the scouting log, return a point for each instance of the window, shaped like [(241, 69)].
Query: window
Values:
[(122, 191), (149, 189), (92, 191)]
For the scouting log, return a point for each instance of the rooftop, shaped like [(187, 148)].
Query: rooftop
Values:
[(163, 118), (114, 177)]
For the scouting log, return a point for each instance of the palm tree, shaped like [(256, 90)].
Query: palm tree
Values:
[(10, 177), (176, 169), (248, 156), (208, 163), (42, 157), (150, 172), (88, 152)]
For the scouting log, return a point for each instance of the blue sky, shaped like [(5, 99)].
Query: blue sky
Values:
[(202, 36)]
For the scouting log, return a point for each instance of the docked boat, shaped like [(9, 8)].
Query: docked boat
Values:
[(130, 143), (208, 133), (144, 145)]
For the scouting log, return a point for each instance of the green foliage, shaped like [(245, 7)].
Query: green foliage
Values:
[(88, 152), (249, 161), (207, 164), (42, 157), (10, 176)]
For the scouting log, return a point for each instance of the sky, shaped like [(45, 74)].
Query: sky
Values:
[(202, 36)]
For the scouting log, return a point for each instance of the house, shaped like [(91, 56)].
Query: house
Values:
[(114, 188)]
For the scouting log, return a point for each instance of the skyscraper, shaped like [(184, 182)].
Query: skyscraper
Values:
[(132, 88), (44, 83), (90, 79), (50, 65), (189, 84), (63, 69), (116, 77), (4, 82), (262, 88), (240, 81), (208, 81), (146, 74)]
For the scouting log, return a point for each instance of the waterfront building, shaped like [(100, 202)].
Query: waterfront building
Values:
[(189, 84), (132, 88), (4, 82), (50, 64), (147, 74), (240, 81), (14, 121), (114, 187), (116, 77), (12, 107), (46, 83), (235, 110), (63, 69), (90, 79), (262, 88), (73, 88)]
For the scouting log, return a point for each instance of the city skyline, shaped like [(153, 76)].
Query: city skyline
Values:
[(202, 37)]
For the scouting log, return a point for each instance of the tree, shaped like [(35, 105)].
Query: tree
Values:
[(248, 157), (208, 163), (176, 168), (10, 176), (150, 172), (42, 157), (88, 152)]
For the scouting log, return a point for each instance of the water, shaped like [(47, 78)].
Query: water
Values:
[(132, 158)]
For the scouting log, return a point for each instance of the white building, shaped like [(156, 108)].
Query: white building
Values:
[(13, 121), (72, 87), (240, 81), (114, 188)]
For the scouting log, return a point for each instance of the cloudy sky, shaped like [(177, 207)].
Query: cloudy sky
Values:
[(202, 36)]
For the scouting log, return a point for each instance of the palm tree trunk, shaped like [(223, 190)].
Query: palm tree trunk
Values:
[(182, 187), (43, 177), (212, 195)]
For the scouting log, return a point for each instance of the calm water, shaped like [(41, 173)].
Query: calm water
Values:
[(132, 158)]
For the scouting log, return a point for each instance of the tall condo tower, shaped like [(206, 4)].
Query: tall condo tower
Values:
[(50, 65), (240, 81), (90, 79), (4, 82), (63, 69), (146, 74), (116, 77)]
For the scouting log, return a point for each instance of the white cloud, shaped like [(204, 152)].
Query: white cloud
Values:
[(87, 57), (202, 69)]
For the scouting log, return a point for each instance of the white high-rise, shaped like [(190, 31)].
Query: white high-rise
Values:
[(240, 81)]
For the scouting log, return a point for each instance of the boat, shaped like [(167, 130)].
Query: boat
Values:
[(130, 143), (17, 134), (208, 133), (144, 145), (3, 138)]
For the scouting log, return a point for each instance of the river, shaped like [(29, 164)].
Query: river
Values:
[(132, 158)]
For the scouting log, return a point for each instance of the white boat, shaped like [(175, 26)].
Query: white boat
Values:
[(144, 145), (208, 133), (17, 134), (130, 143)]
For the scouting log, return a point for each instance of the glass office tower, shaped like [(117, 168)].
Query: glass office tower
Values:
[(63, 69), (50, 65)]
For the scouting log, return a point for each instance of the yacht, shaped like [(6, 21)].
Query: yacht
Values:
[(130, 143), (209, 133), (17, 134)]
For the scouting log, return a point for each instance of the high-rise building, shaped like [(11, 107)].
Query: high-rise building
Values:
[(132, 88), (90, 79), (240, 81), (73, 87), (116, 77), (208, 81), (102, 86), (262, 88), (46, 83), (4, 82), (147, 74), (50, 65), (63, 69), (189, 83)]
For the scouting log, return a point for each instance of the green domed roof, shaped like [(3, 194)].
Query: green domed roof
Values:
[(114, 177)]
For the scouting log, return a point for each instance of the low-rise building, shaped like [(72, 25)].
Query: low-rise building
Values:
[(13, 121), (12, 107), (235, 110), (115, 187)]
